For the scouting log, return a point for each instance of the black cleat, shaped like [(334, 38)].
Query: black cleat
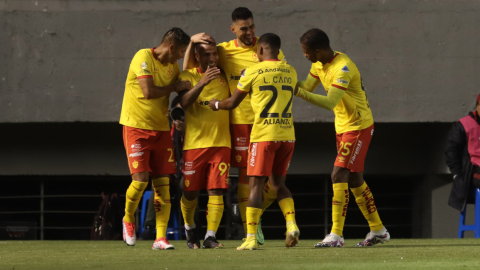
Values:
[(211, 242), (192, 239)]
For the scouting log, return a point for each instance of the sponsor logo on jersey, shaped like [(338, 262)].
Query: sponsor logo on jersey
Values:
[(189, 172), (357, 150), (372, 133), (341, 159), (342, 81), (226, 180), (284, 123), (234, 78), (239, 84), (277, 69), (241, 148), (345, 69), (144, 65), (203, 102), (136, 154), (136, 145), (253, 154), (135, 164)]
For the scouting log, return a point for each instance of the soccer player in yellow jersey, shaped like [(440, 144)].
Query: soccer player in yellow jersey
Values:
[(354, 127), (207, 144), (235, 56), (152, 76), (270, 85)]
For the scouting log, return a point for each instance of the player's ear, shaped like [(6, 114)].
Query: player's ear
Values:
[(171, 48), (232, 28), (197, 57), (260, 51)]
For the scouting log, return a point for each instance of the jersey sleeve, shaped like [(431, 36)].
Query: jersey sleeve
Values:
[(245, 82), (342, 77), (142, 65), (314, 72)]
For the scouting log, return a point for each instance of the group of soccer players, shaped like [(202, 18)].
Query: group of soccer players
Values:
[(238, 96)]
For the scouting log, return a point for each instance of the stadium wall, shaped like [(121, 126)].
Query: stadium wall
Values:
[(67, 60)]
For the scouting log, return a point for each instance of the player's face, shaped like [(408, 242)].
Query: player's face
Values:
[(310, 54), (207, 56), (176, 53), (245, 31)]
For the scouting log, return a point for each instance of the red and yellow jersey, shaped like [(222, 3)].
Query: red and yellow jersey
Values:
[(232, 60), (270, 84), (137, 111), (204, 127), (353, 111)]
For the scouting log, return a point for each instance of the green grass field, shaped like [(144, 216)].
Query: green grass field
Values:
[(397, 254)]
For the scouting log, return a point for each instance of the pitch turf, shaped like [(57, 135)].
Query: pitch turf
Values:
[(397, 254)]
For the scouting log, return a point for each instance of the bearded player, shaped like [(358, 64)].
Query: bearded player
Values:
[(235, 56), (270, 85), (354, 127), (152, 76), (207, 144)]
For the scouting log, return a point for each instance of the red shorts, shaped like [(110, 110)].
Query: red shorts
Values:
[(149, 150), (267, 158), (206, 168), (240, 134), (352, 147)]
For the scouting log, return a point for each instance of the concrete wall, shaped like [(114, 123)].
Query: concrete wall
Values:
[(64, 61)]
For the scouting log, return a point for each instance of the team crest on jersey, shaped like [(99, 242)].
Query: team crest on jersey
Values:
[(345, 69), (187, 183), (144, 65), (169, 71), (255, 57), (135, 164), (238, 158), (222, 82)]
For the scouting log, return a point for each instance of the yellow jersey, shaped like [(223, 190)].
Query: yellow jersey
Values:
[(353, 111), (204, 127), (137, 111), (232, 60), (270, 85)]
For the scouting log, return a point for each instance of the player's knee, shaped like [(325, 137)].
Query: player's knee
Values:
[(338, 177), (141, 176)]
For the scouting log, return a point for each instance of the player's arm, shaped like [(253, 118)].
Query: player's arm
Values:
[(309, 84), (229, 103), (189, 60), (150, 91), (328, 102), (187, 98)]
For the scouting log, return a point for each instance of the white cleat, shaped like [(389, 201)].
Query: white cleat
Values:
[(129, 236), (331, 240), (375, 237), (162, 243)]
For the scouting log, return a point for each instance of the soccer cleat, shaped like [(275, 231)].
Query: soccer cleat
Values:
[(162, 243), (211, 242), (260, 237), (331, 240), (192, 239), (292, 234), (129, 236), (249, 244), (374, 238)]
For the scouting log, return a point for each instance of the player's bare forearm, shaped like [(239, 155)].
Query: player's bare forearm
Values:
[(187, 98), (189, 61), (229, 103), (327, 102)]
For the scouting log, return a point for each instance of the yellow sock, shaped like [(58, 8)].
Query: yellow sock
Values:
[(339, 207), (214, 212), (253, 217), (188, 210), (162, 204), (288, 209), (269, 196), (364, 199), (134, 194), (243, 192)]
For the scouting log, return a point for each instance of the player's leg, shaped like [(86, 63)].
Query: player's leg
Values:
[(217, 184), (138, 153), (194, 180), (281, 162), (162, 163)]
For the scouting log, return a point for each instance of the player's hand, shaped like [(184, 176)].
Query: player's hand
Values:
[(202, 38), (179, 125), (211, 74), (212, 104), (182, 86)]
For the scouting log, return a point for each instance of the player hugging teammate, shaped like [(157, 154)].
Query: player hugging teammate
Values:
[(238, 101)]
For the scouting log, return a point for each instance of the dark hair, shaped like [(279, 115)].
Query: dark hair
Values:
[(272, 40), (315, 39), (241, 13), (177, 36)]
